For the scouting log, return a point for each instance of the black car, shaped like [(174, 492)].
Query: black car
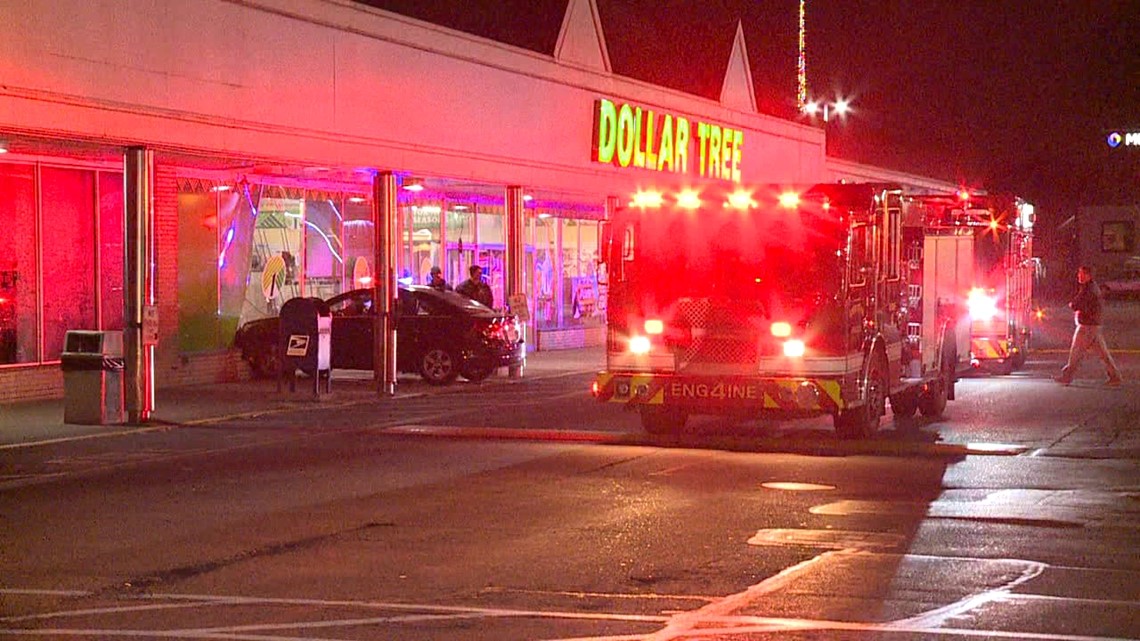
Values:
[(439, 335)]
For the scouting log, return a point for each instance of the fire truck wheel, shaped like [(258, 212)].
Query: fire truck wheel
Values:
[(659, 420), (904, 404), (932, 402), (863, 421), (1019, 358)]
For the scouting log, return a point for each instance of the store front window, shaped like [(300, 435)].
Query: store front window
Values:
[(460, 238), (491, 255), (421, 249), (18, 318), (543, 282), (49, 241), (265, 244)]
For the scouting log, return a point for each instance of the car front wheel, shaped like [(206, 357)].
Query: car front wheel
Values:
[(477, 369), (438, 366)]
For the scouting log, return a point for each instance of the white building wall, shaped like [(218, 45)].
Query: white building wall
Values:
[(328, 82)]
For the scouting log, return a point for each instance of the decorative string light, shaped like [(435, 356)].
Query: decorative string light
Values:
[(801, 66)]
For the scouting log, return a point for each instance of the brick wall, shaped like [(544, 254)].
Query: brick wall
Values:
[(166, 272), (32, 383), (552, 339)]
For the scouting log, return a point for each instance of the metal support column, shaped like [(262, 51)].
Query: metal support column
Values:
[(385, 250), (138, 298), (516, 251)]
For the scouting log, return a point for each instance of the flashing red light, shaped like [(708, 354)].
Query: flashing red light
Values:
[(794, 348), (789, 200), (654, 326), (982, 306), (689, 199), (595, 388), (639, 344), (781, 329), (963, 195)]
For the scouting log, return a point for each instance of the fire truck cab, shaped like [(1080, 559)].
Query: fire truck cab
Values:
[(782, 304)]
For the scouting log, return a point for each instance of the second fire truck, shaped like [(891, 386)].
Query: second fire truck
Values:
[(1000, 302), (834, 300)]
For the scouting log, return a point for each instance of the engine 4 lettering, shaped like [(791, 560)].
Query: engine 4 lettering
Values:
[(715, 391)]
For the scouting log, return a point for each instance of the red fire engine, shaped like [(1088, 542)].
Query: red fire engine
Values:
[(1000, 300), (829, 301)]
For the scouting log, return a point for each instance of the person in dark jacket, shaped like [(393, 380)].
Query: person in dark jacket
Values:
[(475, 287), (1087, 308), (436, 281)]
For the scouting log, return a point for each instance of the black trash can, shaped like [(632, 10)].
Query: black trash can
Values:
[(92, 363)]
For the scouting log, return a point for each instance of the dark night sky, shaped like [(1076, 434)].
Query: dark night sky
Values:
[(1002, 95)]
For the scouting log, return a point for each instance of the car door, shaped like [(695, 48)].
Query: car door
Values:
[(438, 324), (353, 316)]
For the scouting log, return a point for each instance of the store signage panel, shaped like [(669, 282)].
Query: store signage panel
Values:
[(626, 135)]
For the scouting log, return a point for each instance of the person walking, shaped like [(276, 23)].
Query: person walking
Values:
[(475, 287), (1087, 307), (436, 281)]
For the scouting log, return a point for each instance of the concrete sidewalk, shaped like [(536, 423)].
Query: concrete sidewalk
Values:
[(41, 422)]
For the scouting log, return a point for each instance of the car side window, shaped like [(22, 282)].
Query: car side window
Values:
[(429, 307), (344, 307), (406, 304)]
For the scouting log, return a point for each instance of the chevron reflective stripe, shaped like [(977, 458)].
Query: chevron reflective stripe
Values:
[(802, 394), (986, 349)]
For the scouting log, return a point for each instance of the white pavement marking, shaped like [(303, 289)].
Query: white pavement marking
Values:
[(83, 437), (849, 540), (90, 611), (939, 616), (682, 624)]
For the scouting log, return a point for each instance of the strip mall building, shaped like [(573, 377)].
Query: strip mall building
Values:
[(264, 124)]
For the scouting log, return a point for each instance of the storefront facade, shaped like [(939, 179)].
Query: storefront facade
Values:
[(264, 158)]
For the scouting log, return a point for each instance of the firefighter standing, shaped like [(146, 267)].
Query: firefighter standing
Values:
[(1087, 307)]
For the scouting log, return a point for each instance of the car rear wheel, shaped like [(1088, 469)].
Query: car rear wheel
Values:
[(264, 362), (438, 366)]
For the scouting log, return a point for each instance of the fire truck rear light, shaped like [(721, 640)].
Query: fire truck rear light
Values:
[(781, 330), (594, 388), (654, 326), (794, 348), (639, 344)]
